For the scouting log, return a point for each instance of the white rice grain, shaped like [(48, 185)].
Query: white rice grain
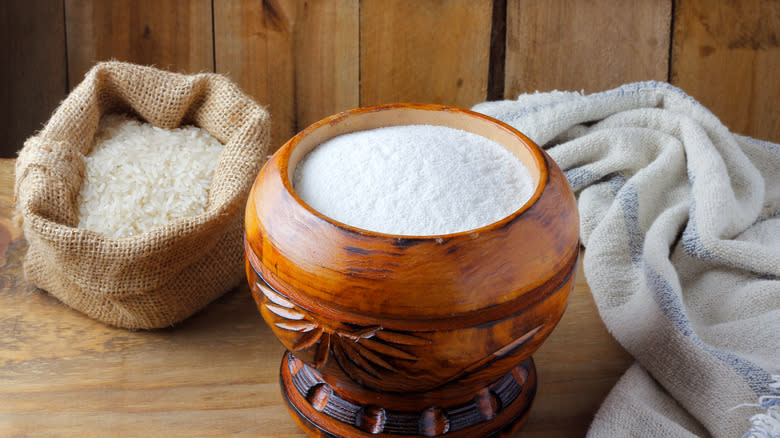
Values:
[(139, 177)]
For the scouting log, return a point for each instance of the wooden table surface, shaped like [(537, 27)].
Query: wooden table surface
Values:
[(216, 374)]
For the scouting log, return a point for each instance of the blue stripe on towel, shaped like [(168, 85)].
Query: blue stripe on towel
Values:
[(616, 183), (671, 306), (766, 145), (670, 303), (580, 178), (691, 239), (628, 196)]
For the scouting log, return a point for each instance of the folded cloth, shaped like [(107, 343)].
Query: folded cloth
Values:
[(680, 219)]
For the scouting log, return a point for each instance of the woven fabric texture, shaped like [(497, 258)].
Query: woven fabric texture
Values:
[(680, 219), (162, 276)]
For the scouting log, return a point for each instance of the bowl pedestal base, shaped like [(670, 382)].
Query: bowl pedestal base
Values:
[(348, 410)]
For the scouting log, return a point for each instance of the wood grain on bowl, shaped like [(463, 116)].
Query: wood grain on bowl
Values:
[(389, 333)]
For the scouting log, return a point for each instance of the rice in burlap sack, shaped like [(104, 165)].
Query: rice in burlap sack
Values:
[(162, 276)]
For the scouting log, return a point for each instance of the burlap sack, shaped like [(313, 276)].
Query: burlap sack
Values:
[(162, 276)]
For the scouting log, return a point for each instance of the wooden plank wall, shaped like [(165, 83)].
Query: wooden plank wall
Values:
[(727, 55), (565, 45), (309, 59), (33, 68)]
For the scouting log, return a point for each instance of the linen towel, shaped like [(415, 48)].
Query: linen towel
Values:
[(680, 219)]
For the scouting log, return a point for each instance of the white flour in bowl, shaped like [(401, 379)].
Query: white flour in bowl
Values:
[(413, 180)]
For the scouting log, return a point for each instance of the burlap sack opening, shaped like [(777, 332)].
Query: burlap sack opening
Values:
[(162, 276)]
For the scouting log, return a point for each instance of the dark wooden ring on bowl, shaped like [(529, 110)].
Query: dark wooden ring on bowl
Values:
[(495, 410)]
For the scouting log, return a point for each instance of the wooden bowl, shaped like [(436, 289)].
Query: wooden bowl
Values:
[(409, 335)]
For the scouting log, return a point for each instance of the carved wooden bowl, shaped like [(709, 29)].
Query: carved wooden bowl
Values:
[(409, 336)]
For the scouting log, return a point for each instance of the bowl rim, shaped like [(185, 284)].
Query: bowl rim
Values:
[(535, 151)]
